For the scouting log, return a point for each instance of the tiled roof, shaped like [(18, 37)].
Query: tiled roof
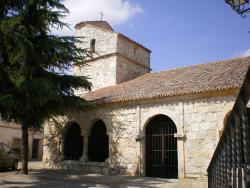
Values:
[(216, 76), (101, 24)]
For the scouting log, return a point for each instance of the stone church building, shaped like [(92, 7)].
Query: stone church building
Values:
[(158, 124)]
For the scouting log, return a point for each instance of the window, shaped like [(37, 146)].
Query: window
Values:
[(35, 147), (92, 45), (134, 51)]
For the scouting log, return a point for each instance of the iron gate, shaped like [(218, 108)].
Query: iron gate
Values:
[(161, 148)]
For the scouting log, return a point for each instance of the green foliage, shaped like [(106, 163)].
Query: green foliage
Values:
[(33, 63)]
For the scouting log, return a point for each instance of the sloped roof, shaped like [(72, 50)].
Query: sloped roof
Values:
[(101, 24), (216, 76)]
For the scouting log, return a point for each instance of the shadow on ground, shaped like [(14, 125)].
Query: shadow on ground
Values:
[(58, 178)]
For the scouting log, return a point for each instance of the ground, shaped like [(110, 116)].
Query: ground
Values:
[(40, 177)]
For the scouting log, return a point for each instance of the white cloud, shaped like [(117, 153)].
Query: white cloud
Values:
[(115, 12), (241, 53), (246, 53)]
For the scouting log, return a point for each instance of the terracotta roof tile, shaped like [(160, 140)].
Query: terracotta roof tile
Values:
[(216, 76)]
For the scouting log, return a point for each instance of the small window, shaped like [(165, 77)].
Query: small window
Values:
[(92, 45), (134, 51)]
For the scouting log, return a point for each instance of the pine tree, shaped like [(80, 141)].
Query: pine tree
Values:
[(34, 85)]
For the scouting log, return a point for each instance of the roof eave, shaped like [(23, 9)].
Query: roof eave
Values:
[(205, 93)]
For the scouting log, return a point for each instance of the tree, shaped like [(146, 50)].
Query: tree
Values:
[(34, 85)]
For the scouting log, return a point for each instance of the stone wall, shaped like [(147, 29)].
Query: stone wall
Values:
[(105, 41), (11, 134), (133, 51), (202, 123), (128, 70), (198, 122), (101, 73)]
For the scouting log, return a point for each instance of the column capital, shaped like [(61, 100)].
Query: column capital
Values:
[(179, 135), (85, 133)]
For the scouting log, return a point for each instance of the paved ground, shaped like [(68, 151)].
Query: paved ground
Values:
[(57, 178)]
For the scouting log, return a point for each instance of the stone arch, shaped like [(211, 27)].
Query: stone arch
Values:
[(98, 143), (72, 141), (161, 147), (155, 112)]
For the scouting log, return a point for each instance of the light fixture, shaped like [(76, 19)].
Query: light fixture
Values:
[(236, 3), (139, 138), (239, 6)]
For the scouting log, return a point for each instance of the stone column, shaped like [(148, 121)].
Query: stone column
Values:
[(181, 156), (109, 159), (85, 136)]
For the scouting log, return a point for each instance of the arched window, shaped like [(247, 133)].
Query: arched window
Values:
[(73, 141), (161, 148), (98, 148), (92, 45)]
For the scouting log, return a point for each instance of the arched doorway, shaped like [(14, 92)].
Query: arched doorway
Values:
[(73, 141), (98, 142), (161, 148)]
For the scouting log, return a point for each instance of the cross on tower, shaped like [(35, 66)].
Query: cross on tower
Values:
[(101, 15)]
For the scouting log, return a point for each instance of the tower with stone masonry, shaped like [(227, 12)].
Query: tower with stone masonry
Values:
[(116, 58)]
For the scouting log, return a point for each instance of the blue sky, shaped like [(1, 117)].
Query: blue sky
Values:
[(179, 33), (188, 32)]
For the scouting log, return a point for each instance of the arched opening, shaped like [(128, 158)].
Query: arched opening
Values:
[(73, 141), (98, 142), (161, 148)]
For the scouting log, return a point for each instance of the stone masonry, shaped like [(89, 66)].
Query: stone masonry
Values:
[(115, 56)]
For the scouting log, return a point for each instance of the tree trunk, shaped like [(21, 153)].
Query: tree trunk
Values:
[(25, 149)]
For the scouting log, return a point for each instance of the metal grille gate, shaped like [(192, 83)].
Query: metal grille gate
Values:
[(161, 148)]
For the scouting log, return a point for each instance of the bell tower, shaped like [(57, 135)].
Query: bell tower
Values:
[(116, 58)]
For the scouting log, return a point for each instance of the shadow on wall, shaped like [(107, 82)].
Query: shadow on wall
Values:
[(123, 146), (54, 140), (121, 142)]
